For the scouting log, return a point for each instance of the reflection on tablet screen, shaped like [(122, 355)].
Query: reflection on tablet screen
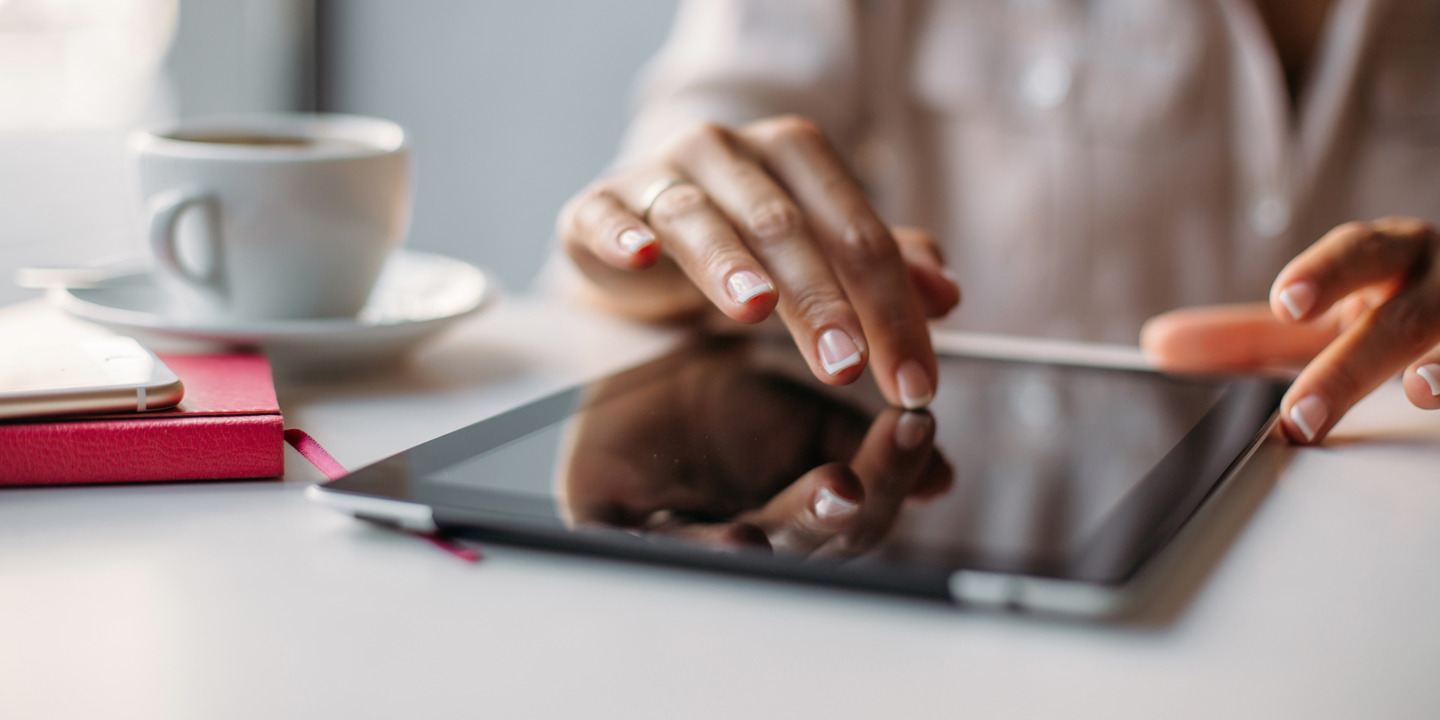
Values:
[(1047, 469)]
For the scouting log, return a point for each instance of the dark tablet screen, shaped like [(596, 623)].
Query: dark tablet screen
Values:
[(730, 449)]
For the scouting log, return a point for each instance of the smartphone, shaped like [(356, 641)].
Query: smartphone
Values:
[(84, 377)]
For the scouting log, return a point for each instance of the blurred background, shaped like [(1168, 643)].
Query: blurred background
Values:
[(511, 106)]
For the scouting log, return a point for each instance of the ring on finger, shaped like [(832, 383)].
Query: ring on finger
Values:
[(654, 191)]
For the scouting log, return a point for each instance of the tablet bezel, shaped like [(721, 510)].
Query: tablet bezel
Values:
[(378, 494)]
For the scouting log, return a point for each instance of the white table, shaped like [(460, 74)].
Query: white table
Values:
[(1313, 592)]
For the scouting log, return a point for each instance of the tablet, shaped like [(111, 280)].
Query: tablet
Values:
[(1044, 475)]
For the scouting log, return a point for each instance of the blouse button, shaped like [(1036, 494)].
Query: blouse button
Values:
[(1270, 216), (1046, 83)]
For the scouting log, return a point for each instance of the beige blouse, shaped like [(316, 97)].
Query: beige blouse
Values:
[(1087, 163)]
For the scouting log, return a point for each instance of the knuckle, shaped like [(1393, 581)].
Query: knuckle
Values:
[(1353, 228), (565, 221), (775, 220), (1413, 324), (1391, 242), (1405, 227), (789, 128), (903, 318), (678, 202), (1343, 382), (717, 259), (706, 135), (1371, 247), (1360, 251), (816, 306), (916, 236), (866, 244), (797, 126), (569, 223)]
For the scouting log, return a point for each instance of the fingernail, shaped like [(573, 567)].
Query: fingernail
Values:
[(837, 351), (950, 276), (633, 241), (745, 285), (1431, 373), (1308, 414), (911, 429), (829, 506), (1298, 298), (915, 390)]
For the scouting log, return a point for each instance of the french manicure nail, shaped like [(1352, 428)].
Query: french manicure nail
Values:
[(837, 351), (1298, 298), (745, 285), (914, 384), (1431, 373), (829, 506), (633, 241), (1308, 414), (911, 429)]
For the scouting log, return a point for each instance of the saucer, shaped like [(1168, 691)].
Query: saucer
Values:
[(417, 295)]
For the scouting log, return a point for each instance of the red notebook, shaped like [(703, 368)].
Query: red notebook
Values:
[(227, 426)]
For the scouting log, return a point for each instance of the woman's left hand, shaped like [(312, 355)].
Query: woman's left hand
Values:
[(1358, 306)]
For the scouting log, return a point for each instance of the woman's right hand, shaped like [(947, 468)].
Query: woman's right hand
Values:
[(760, 219)]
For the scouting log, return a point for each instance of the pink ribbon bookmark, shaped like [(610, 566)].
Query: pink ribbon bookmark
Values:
[(311, 450), (326, 463), (468, 554)]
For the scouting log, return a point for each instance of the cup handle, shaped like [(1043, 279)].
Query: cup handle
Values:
[(165, 211)]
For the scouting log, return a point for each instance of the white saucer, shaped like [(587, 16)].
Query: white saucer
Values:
[(418, 295)]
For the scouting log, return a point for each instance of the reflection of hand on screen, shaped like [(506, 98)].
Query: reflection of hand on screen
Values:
[(733, 456)]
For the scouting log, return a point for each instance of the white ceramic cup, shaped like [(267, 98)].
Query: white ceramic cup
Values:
[(268, 217)]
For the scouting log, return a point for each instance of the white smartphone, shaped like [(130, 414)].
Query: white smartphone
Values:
[(84, 377)]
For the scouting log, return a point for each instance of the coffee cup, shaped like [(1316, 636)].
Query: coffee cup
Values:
[(272, 217)]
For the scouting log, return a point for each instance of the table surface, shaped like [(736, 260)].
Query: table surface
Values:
[(1312, 590)]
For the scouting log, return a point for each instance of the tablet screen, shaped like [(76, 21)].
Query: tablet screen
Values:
[(731, 446)]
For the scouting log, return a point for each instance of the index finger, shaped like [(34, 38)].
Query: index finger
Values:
[(1349, 258), (861, 251), (809, 511), (892, 460), (1392, 258), (1378, 345)]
